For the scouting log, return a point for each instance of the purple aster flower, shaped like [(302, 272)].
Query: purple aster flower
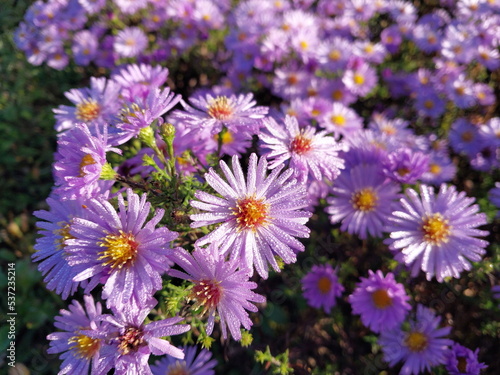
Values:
[(289, 83), (131, 342), (130, 42), (92, 6), (193, 364), (494, 196), (80, 350), (50, 247), (260, 220), (143, 112), (381, 301), (490, 132), (220, 287), (463, 361), (130, 6), (406, 166), (363, 199), (429, 103), (360, 78), (441, 169), (391, 38), (95, 104), (308, 152), (79, 161), (336, 54), (464, 137), (341, 120), (436, 233), (84, 47), (120, 249), (211, 114), (420, 347), (139, 80), (321, 288)]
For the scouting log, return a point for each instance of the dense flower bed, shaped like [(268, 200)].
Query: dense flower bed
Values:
[(307, 119)]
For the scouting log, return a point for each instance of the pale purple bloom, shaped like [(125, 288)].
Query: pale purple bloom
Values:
[(441, 169), (50, 247), (406, 166), (341, 120), (260, 216), (130, 6), (380, 300), (95, 104), (420, 347), (220, 287), (321, 287), (131, 342), (79, 161), (210, 114), (363, 199), (138, 80), (143, 112), (121, 250), (436, 233), (308, 152), (463, 361), (84, 47), (130, 42), (360, 78), (194, 363), (80, 350)]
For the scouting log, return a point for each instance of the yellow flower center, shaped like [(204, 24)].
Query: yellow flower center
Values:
[(227, 137), (416, 341), (251, 213), (300, 145), (324, 284), (389, 130), (84, 346), (358, 79), (369, 48), (334, 55), (304, 45), (64, 234), (315, 112), (338, 120), (121, 250), (88, 110), (220, 108), (434, 168), (364, 200), (436, 229), (86, 160), (381, 299)]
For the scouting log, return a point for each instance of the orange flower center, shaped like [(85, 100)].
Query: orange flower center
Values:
[(88, 110), (86, 160), (121, 250), (434, 168), (131, 341), (416, 341), (381, 299), (324, 284), (220, 108), (364, 200), (436, 229), (178, 368), (334, 55), (467, 136), (462, 364), (251, 213)]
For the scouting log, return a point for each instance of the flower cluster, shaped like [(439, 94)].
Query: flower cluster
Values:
[(177, 208)]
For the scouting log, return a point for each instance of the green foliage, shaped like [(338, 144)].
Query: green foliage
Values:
[(278, 365)]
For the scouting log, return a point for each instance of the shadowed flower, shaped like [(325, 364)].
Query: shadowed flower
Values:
[(463, 361), (260, 216), (321, 287), (420, 347), (380, 300), (193, 364)]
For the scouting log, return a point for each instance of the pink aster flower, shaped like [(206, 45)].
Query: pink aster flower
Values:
[(321, 287), (120, 249), (220, 287), (210, 114), (380, 300), (308, 152), (259, 217), (436, 233)]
